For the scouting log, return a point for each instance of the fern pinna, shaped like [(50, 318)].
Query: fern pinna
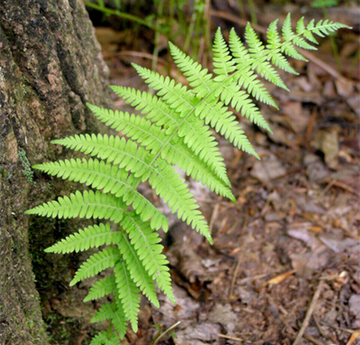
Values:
[(176, 127)]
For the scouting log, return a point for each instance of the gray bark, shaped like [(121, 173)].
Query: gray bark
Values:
[(50, 66)]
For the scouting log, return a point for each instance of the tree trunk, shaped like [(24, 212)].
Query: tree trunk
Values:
[(50, 66)]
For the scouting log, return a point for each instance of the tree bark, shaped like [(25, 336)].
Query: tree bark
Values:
[(50, 66)]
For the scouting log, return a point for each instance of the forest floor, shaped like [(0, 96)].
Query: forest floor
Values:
[(285, 264)]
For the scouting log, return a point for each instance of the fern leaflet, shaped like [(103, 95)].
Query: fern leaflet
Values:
[(92, 236), (101, 288)]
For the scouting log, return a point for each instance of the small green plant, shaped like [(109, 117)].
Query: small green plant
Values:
[(325, 4), (175, 128), (28, 172)]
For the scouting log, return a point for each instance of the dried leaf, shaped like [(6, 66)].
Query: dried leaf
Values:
[(344, 87), (306, 264), (353, 337), (328, 143), (267, 169), (280, 278)]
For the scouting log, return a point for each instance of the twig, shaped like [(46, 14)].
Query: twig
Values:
[(309, 56), (159, 335), (230, 338), (335, 327), (309, 129), (109, 11), (323, 192), (312, 339), (236, 271), (343, 186), (318, 325), (213, 217), (309, 313), (138, 54)]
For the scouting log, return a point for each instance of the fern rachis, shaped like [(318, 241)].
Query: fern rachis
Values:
[(175, 128)]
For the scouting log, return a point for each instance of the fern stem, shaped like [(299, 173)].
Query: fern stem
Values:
[(252, 9), (190, 31), (241, 8), (120, 14), (334, 46), (157, 34)]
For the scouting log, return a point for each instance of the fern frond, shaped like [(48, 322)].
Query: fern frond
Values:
[(175, 128), (260, 63), (96, 263), (102, 338), (135, 127), (104, 313), (110, 179), (128, 294), (291, 51), (287, 32), (92, 236), (137, 270), (155, 109), (146, 243), (196, 136), (302, 30), (225, 123), (193, 166), (242, 102), (246, 77), (222, 61), (102, 288), (88, 204), (321, 28), (119, 151), (273, 45), (175, 151), (202, 142), (115, 313), (175, 193), (197, 76), (119, 320), (175, 95)]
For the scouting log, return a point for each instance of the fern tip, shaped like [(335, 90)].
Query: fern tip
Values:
[(256, 155), (73, 282), (209, 238), (56, 142), (48, 250)]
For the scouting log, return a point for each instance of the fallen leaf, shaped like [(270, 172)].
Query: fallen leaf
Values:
[(315, 169), (267, 169), (354, 306), (316, 228), (353, 337), (197, 334), (280, 278), (307, 263), (354, 103), (224, 315), (344, 87), (327, 141), (300, 233), (340, 245)]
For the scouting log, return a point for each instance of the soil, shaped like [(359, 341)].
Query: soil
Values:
[(285, 264)]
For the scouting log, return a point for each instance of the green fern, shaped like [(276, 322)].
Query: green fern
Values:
[(176, 127)]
